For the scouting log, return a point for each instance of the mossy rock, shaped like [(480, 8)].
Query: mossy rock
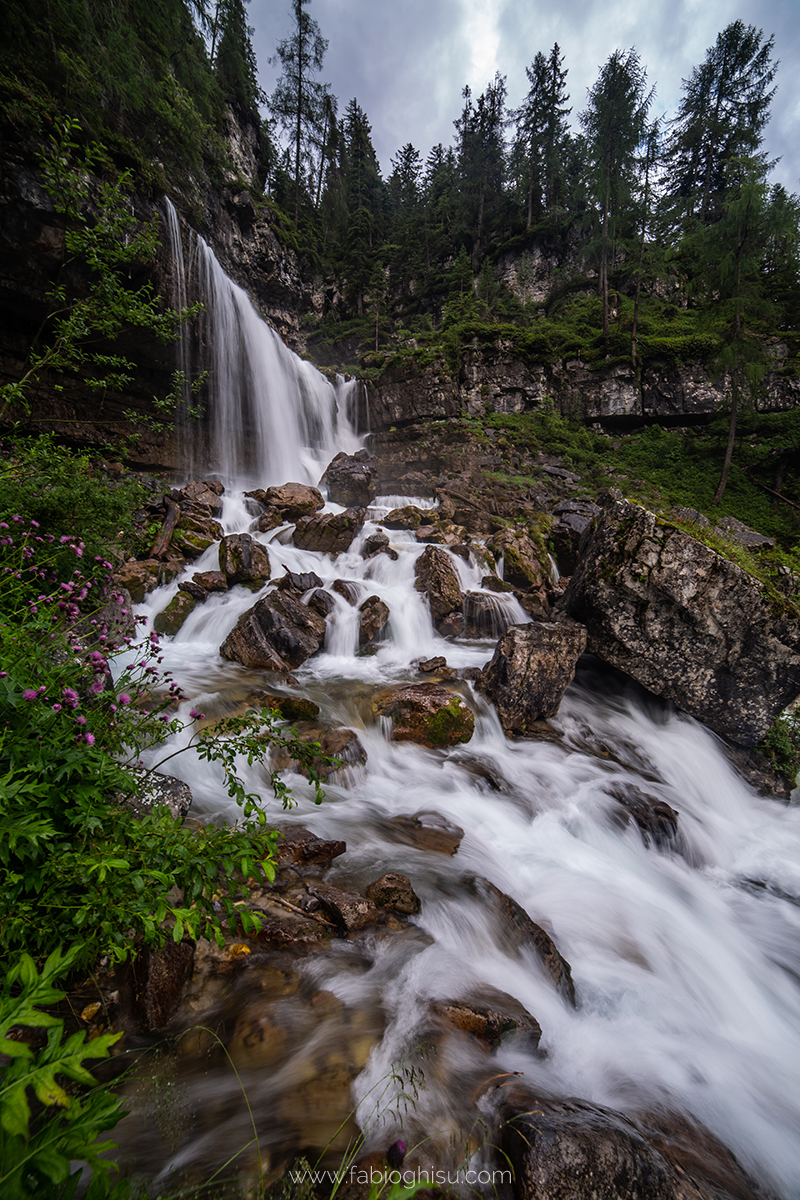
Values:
[(170, 619)]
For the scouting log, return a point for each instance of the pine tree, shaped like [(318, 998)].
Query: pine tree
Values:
[(298, 102), (235, 63), (364, 202), (615, 124), (722, 115), (405, 199), (541, 130), (481, 162)]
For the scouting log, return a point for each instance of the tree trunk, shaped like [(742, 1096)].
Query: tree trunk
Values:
[(726, 465)]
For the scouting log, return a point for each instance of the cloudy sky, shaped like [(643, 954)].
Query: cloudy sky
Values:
[(407, 61)]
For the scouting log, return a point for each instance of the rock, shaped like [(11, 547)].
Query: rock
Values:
[(485, 616), (692, 516), (522, 567), (426, 713), (113, 621), (293, 500), (570, 1150), (342, 746), (394, 891), (243, 560), (654, 817), (373, 615), (303, 848), (573, 519), (142, 577), (290, 708), (743, 535), (520, 932), (431, 534), (351, 479), (206, 495), (696, 1154), (156, 791), (685, 622), (269, 519), (408, 517), (322, 602), (532, 667), (329, 533), (430, 666), (203, 583), (427, 831), (378, 543), (194, 534), (155, 983), (279, 632), (348, 590), (435, 576), (348, 910), (170, 619), (491, 1017), (298, 581), (453, 625)]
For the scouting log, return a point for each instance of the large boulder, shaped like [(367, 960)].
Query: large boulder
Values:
[(435, 576), (532, 667), (373, 615), (685, 622), (351, 479), (294, 500), (170, 619), (522, 561), (329, 533), (278, 633), (426, 713)]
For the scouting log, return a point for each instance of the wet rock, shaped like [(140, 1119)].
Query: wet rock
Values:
[(427, 831), (142, 577), (302, 847), (378, 543), (492, 584), (351, 479), (426, 713), (298, 581), (336, 749), (373, 615), (258, 1041), (522, 565), (348, 910), (202, 495), (655, 818), (329, 533), (279, 632), (485, 616), (685, 622), (154, 984), (243, 560), (156, 791), (408, 517), (491, 1017), (322, 602), (394, 891), (170, 619), (696, 1154), (571, 1150), (290, 708), (194, 534), (532, 667), (269, 519), (431, 534), (294, 500), (435, 576), (348, 589), (453, 625), (283, 929), (521, 932), (203, 583)]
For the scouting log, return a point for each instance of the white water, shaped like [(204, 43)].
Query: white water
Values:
[(686, 961)]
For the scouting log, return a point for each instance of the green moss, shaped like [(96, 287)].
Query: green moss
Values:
[(452, 724)]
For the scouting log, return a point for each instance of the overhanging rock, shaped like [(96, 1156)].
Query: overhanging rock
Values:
[(684, 621)]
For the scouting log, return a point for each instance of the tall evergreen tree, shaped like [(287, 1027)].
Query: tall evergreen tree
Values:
[(298, 102), (541, 130), (722, 115), (364, 201), (235, 62), (481, 161), (614, 124), (405, 254)]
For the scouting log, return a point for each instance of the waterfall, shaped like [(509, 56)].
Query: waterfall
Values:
[(270, 416), (685, 957)]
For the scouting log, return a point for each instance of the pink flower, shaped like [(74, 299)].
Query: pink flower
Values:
[(56, 707), (80, 720), (70, 697), (89, 739), (29, 694), (124, 698)]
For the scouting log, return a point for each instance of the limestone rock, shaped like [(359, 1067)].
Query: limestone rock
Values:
[(373, 615), (194, 534), (351, 479), (301, 847), (294, 500), (322, 602), (573, 519), (156, 982), (685, 622), (170, 619), (278, 633), (394, 891), (139, 578), (426, 713), (435, 576), (269, 519), (329, 533), (203, 583), (532, 667), (201, 495), (408, 517), (522, 566), (348, 589), (655, 818), (243, 560)]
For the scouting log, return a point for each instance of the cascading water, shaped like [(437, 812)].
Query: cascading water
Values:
[(685, 957)]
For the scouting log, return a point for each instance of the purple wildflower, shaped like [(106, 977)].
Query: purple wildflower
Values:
[(29, 694), (89, 739), (124, 698), (70, 697)]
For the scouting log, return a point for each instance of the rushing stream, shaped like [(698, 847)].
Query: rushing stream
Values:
[(686, 959)]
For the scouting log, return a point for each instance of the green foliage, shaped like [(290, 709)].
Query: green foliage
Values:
[(782, 745), (39, 1148)]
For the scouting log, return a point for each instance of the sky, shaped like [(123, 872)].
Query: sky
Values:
[(407, 61)]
